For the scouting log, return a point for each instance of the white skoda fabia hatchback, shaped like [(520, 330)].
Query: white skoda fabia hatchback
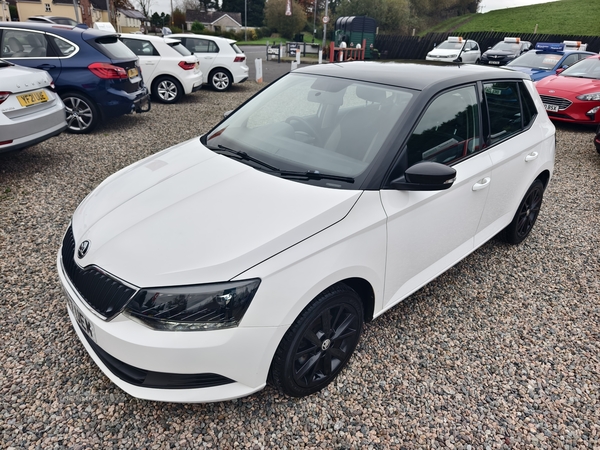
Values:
[(257, 251)]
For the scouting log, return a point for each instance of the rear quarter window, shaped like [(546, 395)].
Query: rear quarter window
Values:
[(180, 48)]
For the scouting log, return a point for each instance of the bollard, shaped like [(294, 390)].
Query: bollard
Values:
[(259, 72), (294, 65)]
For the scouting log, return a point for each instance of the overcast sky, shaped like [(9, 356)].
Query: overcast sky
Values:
[(486, 5)]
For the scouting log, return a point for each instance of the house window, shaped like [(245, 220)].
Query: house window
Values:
[(47, 5)]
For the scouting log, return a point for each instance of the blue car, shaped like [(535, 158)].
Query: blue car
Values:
[(548, 57), (95, 74)]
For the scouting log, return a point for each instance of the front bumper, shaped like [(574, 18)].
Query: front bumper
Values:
[(134, 356), (577, 113)]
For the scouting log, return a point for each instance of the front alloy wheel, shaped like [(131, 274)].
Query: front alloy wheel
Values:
[(82, 115), (319, 343)]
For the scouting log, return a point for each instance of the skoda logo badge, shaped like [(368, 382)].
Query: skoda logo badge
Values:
[(83, 248)]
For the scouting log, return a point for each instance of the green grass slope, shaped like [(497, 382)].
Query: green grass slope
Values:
[(579, 17)]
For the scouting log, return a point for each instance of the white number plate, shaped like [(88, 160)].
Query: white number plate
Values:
[(84, 323), (494, 62), (553, 108)]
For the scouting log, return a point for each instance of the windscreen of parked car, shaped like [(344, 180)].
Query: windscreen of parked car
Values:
[(450, 45), (586, 68), (315, 124), (507, 47), (535, 60)]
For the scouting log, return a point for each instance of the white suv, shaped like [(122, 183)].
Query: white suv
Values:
[(168, 68), (221, 60)]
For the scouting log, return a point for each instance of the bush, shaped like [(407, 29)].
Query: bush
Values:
[(197, 27), (175, 29)]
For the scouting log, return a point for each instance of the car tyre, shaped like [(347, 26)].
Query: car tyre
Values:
[(319, 343), (220, 80), (167, 90), (82, 113), (526, 214)]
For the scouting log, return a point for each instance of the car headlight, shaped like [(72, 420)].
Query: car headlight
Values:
[(453, 55), (193, 308), (589, 97)]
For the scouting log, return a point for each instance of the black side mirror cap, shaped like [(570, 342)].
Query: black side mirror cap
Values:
[(425, 176)]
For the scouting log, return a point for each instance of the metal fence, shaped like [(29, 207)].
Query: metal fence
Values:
[(414, 47)]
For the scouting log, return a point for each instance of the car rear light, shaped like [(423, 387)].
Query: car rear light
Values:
[(108, 71), (186, 65), (6, 142), (4, 96), (239, 59)]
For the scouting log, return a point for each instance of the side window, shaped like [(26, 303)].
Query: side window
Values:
[(198, 45), (570, 60), (23, 44), (504, 108), (140, 48), (212, 47), (65, 48), (528, 105), (449, 129)]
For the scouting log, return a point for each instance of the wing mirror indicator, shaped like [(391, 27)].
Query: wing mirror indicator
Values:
[(426, 176)]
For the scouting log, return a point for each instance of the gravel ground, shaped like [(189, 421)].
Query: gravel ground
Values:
[(502, 351)]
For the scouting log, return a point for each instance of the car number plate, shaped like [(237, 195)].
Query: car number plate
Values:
[(32, 98), (84, 323), (494, 62), (132, 73), (553, 108)]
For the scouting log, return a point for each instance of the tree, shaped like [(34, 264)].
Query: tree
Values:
[(145, 6), (179, 18), (276, 19), (391, 15), (256, 10)]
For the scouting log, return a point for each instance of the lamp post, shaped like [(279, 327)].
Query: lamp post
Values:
[(325, 24), (245, 20)]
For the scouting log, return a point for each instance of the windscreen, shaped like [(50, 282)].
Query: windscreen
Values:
[(450, 45), (537, 60), (315, 123), (586, 68), (507, 47)]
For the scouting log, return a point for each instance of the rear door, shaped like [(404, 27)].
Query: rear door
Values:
[(206, 51), (30, 48)]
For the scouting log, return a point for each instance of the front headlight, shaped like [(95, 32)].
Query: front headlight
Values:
[(452, 56), (589, 97), (193, 308)]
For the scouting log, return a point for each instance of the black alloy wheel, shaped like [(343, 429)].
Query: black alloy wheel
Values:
[(319, 343), (526, 215)]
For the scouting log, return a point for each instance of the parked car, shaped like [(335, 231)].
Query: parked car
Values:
[(258, 250), (221, 60), (456, 49), (168, 68), (505, 51), (54, 19), (574, 94), (30, 109), (548, 57), (95, 74)]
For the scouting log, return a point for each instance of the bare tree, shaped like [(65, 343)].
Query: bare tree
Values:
[(145, 6)]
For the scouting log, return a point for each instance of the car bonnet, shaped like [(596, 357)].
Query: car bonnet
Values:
[(188, 215)]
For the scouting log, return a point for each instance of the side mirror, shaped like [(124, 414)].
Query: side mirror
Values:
[(489, 48), (426, 176), (560, 70), (227, 113)]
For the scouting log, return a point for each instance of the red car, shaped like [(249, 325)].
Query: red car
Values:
[(573, 95)]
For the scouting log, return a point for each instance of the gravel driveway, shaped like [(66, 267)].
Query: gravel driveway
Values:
[(502, 351)]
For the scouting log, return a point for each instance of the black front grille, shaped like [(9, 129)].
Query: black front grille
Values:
[(562, 103), (158, 380), (102, 293)]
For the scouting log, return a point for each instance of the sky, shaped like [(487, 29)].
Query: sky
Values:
[(486, 5)]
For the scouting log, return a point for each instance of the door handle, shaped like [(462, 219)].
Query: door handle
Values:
[(482, 184), (46, 66), (531, 156)]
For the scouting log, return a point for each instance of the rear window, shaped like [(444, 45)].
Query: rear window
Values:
[(112, 47), (180, 48), (236, 48)]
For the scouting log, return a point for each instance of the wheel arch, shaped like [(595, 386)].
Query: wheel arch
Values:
[(223, 69), (77, 90), (544, 177), (366, 293)]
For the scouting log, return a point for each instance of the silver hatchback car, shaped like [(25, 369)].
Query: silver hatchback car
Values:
[(30, 110)]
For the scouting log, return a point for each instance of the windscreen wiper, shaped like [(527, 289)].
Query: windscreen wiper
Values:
[(245, 156), (314, 175)]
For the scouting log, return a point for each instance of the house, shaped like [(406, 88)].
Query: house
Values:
[(214, 20), (130, 20)]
